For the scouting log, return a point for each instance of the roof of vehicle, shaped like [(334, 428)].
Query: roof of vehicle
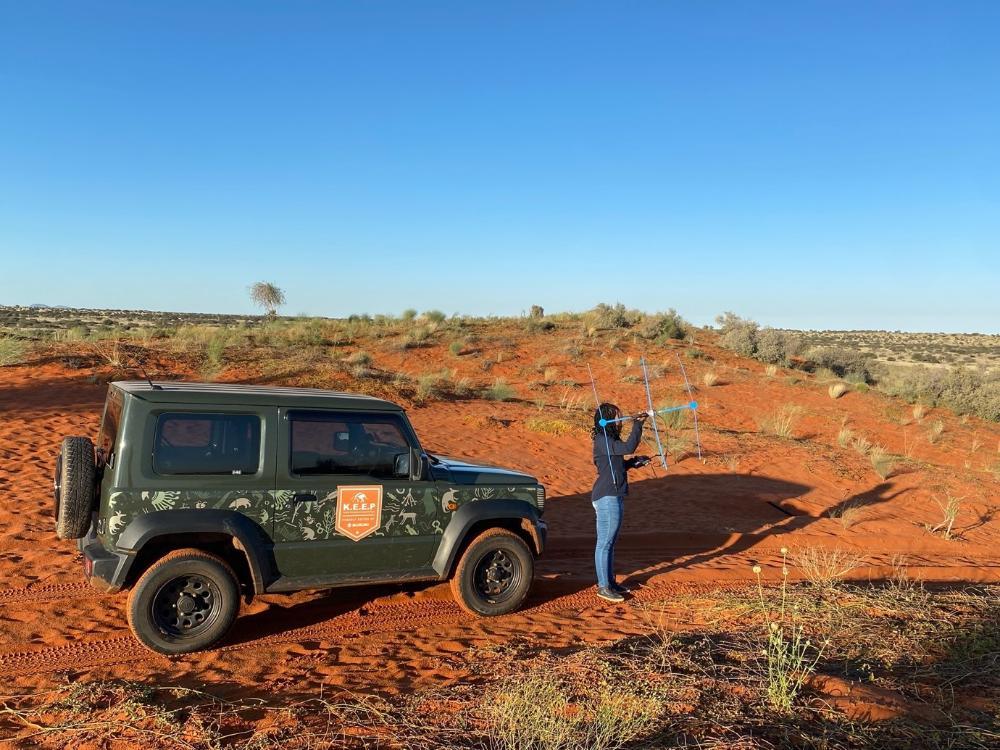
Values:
[(174, 392)]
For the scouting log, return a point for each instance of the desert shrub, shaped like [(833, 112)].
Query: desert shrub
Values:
[(455, 347), (738, 334), (663, 327), (837, 390), (843, 363), (748, 339), (537, 325), (408, 314), (775, 347), (499, 391), (614, 316), (435, 316), (537, 311), (12, 351), (961, 389), (419, 336), (710, 379)]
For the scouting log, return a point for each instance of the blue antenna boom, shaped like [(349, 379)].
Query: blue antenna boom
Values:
[(693, 405)]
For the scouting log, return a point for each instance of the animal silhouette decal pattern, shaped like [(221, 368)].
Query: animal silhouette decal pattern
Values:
[(411, 509)]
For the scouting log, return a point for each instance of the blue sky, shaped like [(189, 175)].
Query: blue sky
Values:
[(809, 164)]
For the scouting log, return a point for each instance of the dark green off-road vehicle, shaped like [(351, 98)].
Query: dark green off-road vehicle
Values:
[(195, 496)]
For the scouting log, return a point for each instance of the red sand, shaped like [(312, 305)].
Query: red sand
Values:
[(702, 525)]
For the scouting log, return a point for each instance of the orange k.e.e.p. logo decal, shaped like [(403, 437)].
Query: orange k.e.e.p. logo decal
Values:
[(359, 510)]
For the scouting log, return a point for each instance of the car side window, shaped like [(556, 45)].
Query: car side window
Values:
[(328, 443), (192, 443)]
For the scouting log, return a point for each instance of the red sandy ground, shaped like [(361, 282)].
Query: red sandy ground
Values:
[(702, 525)]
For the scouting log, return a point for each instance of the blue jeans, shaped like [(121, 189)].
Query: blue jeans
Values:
[(609, 522)]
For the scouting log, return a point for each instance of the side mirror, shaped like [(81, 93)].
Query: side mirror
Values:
[(401, 465)]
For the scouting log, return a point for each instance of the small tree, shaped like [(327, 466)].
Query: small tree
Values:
[(267, 296)]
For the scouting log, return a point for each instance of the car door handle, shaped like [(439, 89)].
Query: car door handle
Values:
[(304, 497)]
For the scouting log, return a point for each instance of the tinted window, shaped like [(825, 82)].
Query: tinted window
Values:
[(207, 444), (328, 443), (108, 434)]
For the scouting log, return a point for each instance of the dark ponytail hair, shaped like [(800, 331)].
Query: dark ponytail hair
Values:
[(607, 411)]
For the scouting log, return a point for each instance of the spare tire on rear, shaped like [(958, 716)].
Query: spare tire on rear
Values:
[(75, 487)]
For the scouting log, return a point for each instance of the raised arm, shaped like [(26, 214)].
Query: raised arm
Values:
[(625, 447)]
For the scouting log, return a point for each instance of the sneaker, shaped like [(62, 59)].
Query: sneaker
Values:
[(609, 594), (618, 588)]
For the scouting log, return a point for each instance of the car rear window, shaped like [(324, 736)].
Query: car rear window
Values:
[(107, 436), (193, 443)]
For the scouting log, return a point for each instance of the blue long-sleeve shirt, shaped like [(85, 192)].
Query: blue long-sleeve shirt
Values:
[(614, 459)]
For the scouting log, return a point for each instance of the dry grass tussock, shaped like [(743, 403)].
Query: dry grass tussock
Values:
[(824, 567), (782, 421), (848, 514), (837, 390)]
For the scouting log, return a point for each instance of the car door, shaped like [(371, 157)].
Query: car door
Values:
[(347, 508)]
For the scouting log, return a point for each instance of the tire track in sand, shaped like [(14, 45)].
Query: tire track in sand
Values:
[(47, 592), (367, 620)]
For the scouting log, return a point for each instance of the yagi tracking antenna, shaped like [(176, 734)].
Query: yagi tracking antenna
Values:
[(652, 413)]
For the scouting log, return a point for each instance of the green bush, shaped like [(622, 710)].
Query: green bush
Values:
[(853, 366), (434, 316), (499, 391), (960, 389), (614, 316), (12, 351), (737, 334), (537, 325), (662, 327), (775, 347)]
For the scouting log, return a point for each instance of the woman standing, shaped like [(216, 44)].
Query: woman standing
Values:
[(610, 488)]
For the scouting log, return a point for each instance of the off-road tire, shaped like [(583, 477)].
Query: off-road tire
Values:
[(148, 602), (74, 487), (466, 580)]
